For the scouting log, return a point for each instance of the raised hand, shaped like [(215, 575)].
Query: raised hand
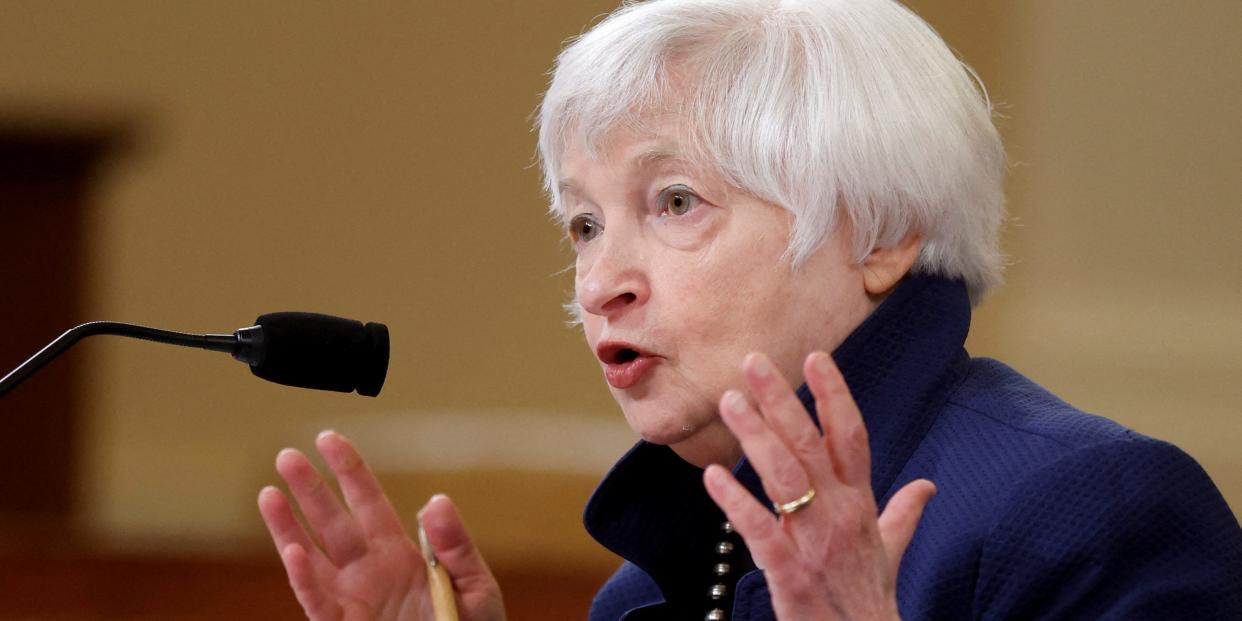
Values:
[(356, 562), (826, 555)]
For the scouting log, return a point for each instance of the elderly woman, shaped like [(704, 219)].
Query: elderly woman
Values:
[(793, 178)]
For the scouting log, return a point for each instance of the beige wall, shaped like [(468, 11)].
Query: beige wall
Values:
[(373, 161)]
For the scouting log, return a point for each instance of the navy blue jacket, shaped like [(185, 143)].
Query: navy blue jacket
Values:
[(1043, 512)]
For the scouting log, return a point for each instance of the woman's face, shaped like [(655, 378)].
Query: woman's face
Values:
[(680, 276)]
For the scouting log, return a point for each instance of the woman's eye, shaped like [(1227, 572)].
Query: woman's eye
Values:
[(584, 228), (678, 200)]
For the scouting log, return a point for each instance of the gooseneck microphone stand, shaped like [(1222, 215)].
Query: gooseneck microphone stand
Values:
[(241, 344)]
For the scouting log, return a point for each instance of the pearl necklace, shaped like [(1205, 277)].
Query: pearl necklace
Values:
[(720, 599)]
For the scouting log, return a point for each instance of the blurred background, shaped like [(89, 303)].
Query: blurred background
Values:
[(193, 165)]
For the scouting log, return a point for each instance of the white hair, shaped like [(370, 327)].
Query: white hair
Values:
[(815, 105)]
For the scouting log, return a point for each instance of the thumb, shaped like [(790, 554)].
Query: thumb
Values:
[(901, 517), (453, 549)]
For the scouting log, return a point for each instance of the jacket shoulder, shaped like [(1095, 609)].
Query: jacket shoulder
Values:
[(1126, 529), (1104, 522), (1001, 396), (1049, 512)]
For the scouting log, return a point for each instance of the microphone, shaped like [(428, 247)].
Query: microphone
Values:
[(306, 350)]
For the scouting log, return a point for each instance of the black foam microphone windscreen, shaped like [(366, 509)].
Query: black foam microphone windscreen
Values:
[(310, 350)]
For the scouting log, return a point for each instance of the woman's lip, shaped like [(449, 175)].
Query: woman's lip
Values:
[(622, 375)]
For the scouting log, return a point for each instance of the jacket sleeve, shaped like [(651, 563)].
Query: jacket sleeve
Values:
[(1128, 529)]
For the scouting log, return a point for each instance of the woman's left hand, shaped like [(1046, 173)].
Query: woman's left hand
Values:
[(831, 557)]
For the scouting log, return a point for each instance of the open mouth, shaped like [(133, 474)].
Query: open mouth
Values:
[(616, 353), (624, 365)]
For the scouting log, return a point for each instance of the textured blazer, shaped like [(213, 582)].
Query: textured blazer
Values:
[(1042, 511)]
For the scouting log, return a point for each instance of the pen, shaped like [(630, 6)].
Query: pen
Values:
[(443, 603)]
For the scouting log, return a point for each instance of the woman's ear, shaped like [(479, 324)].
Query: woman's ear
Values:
[(884, 267)]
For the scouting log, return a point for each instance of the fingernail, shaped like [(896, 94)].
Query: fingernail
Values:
[(325, 433), (760, 366), (714, 475), (823, 362), (433, 498), (734, 402)]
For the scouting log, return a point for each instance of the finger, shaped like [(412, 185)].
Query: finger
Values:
[(901, 517), (278, 516), (783, 476), (786, 415), (844, 431), (362, 492), (317, 604), (446, 532), (769, 545), (338, 531)]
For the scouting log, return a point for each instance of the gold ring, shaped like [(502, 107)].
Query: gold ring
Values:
[(794, 505)]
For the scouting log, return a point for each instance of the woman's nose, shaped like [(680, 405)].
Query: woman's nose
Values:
[(614, 282)]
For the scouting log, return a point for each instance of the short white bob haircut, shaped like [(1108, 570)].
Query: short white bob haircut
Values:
[(817, 106)]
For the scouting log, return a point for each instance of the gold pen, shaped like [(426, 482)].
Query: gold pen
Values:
[(443, 602)]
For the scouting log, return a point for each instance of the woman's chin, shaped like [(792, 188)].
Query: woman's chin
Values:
[(664, 434), (700, 443)]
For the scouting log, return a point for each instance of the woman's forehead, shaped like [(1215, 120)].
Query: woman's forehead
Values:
[(629, 158), (629, 147)]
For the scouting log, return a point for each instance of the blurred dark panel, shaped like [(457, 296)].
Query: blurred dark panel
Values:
[(45, 183)]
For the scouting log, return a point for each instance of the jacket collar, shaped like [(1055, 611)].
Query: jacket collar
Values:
[(900, 365)]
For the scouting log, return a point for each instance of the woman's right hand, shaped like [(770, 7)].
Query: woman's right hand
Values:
[(356, 562)]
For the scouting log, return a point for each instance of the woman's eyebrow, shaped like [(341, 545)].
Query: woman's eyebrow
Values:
[(648, 158), (652, 157)]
